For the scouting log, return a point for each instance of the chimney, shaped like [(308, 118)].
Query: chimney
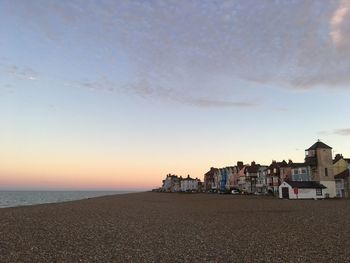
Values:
[(337, 157)]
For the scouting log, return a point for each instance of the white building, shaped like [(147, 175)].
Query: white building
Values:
[(189, 184), (302, 190), (171, 183)]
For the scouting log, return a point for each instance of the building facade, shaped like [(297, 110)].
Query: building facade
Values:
[(319, 158), (302, 190), (189, 184), (341, 169), (171, 183), (300, 172)]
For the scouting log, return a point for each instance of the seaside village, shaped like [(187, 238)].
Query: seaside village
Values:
[(319, 176)]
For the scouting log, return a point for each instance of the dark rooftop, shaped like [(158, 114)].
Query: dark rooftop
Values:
[(319, 145), (309, 184)]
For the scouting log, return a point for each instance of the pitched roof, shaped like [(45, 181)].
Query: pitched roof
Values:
[(342, 174), (308, 184), (319, 145), (275, 164), (252, 168), (240, 165), (283, 163), (211, 171)]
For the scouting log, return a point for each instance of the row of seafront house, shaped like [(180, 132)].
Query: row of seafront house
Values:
[(174, 183), (319, 176)]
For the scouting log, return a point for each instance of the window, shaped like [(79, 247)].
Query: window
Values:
[(295, 171), (305, 177), (303, 171), (310, 153), (319, 191), (325, 171)]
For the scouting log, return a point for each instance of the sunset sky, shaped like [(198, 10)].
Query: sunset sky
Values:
[(116, 94)]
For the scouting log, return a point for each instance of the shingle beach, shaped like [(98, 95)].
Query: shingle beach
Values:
[(162, 227)]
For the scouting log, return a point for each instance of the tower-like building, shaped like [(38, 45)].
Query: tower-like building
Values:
[(319, 158)]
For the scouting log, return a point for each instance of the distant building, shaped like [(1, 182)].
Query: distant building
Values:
[(261, 186), (300, 172), (341, 169), (242, 182), (251, 175), (302, 190), (273, 178), (342, 184), (189, 184), (231, 171), (286, 171), (319, 158), (209, 179), (171, 183)]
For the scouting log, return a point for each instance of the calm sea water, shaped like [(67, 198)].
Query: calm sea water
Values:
[(21, 198)]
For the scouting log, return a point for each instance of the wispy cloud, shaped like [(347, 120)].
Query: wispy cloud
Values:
[(143, 89), (345, 132), (208, 103), (21, 73)]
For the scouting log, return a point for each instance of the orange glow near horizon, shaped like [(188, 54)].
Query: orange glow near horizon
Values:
[(92, 171)]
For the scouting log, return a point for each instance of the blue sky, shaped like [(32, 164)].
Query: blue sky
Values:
[(118, 93)]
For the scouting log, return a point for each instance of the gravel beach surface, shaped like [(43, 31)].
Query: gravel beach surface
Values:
[(163, 227)]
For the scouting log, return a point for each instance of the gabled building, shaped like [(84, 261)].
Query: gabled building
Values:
[(261, 186), (223, 178), (242, 182), (251, 174), (341, 169), (286, 171), (209, 179), (319, 158), (302, 190), (232, 171), (189, 184), (171, 183), (236, 176), (342, 183), (273, 176)]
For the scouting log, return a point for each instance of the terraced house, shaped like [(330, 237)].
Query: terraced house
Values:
[(261, 186), (341, 169), (209, 179), (190, 184), (248, 179), (318, 168), (273, 176)]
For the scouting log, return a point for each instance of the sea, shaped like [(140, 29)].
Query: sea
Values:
[(24, 198)]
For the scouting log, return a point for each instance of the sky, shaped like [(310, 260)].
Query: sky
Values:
[(117, 94)]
